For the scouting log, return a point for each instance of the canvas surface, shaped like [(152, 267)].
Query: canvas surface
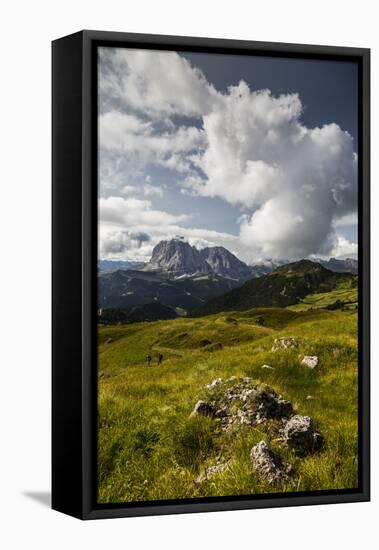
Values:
[(227, 275)]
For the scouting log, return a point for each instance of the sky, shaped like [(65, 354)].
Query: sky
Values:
[(255, 154)]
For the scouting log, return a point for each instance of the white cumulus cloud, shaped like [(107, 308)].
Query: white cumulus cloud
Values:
[(153, 82), (130, 228), (295, 186)]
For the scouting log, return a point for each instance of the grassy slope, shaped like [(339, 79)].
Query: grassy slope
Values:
[(283, 287), (150, 449), (344, 293)]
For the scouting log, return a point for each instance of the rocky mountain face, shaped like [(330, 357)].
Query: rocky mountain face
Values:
[(222, 262), (178, 258)]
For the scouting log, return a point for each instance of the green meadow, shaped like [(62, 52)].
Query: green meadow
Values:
[(347, 296), (150, 448)]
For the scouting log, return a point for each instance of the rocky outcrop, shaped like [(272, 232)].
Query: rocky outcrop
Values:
[(300, 435), (242, 401), (266, 403), (203, 408), (268, 464), (310, 361), (212, 471), (216, 382)]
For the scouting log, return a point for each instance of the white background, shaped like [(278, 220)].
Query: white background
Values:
[(26, 31)]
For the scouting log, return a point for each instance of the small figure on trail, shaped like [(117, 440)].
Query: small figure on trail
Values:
[(148, 360), (160, 358)]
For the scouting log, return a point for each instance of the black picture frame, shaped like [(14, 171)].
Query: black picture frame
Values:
[(74, 207)]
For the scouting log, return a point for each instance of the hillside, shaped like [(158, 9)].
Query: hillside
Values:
[(150, 448), (129, 288), (152, 311), (285, 286)]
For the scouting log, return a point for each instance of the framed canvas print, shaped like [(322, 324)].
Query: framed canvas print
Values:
[(210, 275)]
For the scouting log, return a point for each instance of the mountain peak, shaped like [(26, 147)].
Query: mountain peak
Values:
[(223, 262), (177, 257), (300, 267)]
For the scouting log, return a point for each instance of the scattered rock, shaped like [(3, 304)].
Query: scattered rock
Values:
[(300, 435), (268, 464), (310, 361), (231, 320), (212, 471), (203, 408), (214, 383), (205, 342), (270, 405), (285, 343), (245, 402), (222, 412), (267, 367), (239, 401), (109, 340)]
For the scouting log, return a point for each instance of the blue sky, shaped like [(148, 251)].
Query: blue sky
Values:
[(253, 153)]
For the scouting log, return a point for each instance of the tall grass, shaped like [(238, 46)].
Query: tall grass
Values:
[(150, 448)]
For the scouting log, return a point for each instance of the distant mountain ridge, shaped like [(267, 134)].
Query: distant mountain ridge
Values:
[(113, 265), (349, 265), (177, 258), (179, 279)]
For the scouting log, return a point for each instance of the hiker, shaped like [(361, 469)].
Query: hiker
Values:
[(160, 358), (148, 360)]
